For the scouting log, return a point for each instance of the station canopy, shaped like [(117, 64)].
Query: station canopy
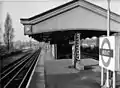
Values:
[(59, 24)]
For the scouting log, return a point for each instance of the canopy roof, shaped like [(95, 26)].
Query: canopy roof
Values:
[(60, 18), (79, 15)]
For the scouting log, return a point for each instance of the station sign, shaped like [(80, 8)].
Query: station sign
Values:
[(109, 52)]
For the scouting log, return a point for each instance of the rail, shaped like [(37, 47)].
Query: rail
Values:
[(17, 75)]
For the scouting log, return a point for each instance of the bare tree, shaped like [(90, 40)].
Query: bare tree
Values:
[(8, 35)]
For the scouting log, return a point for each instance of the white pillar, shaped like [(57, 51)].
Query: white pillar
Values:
[(73, 54), (107, 80), (53, 50), (114, 79), (102, 76)]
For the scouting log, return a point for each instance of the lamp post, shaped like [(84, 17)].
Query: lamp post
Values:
[(108, 18), (108, 34), (108, 31)]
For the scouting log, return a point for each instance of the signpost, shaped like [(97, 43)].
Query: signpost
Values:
[(109, 58), (108, 33), (106, 52), (76, 50)]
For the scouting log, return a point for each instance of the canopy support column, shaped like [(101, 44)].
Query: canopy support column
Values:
[(77, 52), (54, 50)]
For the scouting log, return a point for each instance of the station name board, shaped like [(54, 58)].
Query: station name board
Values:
[(106, 52)]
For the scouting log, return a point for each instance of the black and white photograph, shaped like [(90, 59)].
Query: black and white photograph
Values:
[(59, 43)]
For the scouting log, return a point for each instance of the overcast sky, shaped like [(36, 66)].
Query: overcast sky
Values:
[(25, 9)]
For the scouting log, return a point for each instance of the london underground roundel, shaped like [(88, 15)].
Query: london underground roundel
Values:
[(106, 52)]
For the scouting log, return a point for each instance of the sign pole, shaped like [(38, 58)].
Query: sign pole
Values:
[(108, 33), (102, 74), (107, 81), (108, 18), (114, 79)]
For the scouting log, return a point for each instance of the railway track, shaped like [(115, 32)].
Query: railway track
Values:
[(17, 75), (88, 55), (83, 56)]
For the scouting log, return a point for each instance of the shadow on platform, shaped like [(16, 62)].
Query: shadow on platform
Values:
[(83, 79)]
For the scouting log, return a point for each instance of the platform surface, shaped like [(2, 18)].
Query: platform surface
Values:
[(37, 80), (59, 75), (51, 73)]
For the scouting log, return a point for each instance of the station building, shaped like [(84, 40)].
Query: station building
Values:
[(59, 25)]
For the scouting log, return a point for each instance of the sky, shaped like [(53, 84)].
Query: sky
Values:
[(28, 8)]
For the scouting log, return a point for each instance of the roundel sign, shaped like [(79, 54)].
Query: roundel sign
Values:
[(106, 52)]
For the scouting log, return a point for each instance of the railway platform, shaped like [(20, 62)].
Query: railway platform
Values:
[(51, 73), (37, 79)]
